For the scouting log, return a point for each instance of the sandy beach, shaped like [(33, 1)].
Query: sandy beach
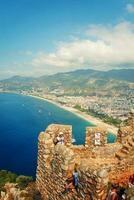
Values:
[(83, 115)]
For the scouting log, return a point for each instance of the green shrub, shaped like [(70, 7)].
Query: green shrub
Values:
[(23, 181), (9, 177), (6, 176)]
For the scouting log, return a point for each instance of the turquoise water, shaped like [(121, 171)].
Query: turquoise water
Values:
[(21, 120)]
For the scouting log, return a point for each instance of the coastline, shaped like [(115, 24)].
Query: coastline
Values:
[(112, 129)]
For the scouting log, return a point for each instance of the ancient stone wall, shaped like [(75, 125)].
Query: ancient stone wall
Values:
[(95, 136), (124, 168), (97, 163), (121, 172), (56, 161), (126, 131)]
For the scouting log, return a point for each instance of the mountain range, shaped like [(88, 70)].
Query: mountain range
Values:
[(79, 82)]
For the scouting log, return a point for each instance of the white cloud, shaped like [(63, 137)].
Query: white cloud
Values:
[(104, 47), (130, 8), (101, 47)]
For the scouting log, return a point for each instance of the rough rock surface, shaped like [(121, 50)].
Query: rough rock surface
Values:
[(13, 192), (98, 163)]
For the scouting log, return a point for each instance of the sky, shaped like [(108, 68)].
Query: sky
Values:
[(39, 37)]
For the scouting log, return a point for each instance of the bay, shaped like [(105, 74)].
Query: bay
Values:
[(21, 120)]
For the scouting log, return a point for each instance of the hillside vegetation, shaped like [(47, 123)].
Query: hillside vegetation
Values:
[(79, 82), (9, 177)]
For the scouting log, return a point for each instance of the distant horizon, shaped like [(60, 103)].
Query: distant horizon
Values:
[(25, 76)]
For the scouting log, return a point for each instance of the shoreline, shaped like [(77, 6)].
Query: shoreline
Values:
[(95, 121)]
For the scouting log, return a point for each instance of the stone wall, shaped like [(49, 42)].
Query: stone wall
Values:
[(126, 131), (125, 159), (124, 168), (97, 163), (95, 136)]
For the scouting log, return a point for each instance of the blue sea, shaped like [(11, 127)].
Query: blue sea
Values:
[(21, 120)]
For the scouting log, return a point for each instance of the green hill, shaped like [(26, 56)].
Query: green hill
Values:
[(79, 82)]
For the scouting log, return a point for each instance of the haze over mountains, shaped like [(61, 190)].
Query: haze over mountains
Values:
[(79, 82)]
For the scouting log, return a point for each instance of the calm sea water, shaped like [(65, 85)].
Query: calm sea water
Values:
[(21, 120)]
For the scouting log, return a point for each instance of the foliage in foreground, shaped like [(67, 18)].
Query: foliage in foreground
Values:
[(9, 177)]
